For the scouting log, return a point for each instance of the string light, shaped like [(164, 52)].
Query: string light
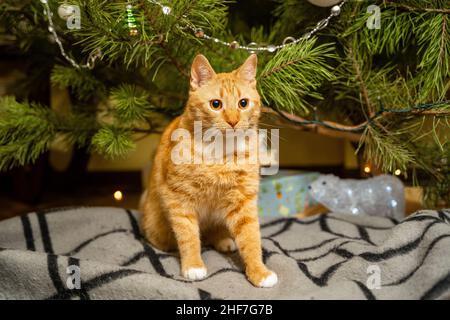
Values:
[(367, 169), (397, 172), (252, 47), (118, 196), (417, 109)]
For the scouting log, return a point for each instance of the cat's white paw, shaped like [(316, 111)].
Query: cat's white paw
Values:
[(195, 273), (269, 281), (226, 245)]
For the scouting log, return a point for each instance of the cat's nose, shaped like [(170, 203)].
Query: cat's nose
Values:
[(233, 123)]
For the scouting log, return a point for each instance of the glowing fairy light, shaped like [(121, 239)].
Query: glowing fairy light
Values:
[(118, 196)]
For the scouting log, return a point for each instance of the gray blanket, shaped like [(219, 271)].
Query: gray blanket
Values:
[(323, 257)]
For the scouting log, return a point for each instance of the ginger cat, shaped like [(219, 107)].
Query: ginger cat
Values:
[(216, 204)]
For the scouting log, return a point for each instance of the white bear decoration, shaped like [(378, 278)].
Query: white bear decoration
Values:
[(379, 196)]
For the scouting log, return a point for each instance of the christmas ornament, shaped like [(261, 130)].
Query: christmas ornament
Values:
[(324, 3), (166, 10), (131, 21), (65, 11), (378, 196), (70, 13)]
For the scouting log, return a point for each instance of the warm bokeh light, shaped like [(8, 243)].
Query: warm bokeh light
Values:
[(397, 172), (118, 195), (367, 169)]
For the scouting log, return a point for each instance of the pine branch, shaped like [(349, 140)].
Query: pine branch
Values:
[(130, 103), (416, 9), (386, 152), (348, 74), (80, 81), (27, 130), (112, 141), (325, 128), (353, 132), (175, 62), (362, 85), (297, 71)]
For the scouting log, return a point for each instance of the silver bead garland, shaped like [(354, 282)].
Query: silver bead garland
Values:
[(252, 47), (93, 56)]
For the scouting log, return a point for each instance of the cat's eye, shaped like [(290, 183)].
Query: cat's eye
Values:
[(215, 104), (243, 103)]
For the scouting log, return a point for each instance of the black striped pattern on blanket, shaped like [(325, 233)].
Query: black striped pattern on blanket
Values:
[(322, 257)]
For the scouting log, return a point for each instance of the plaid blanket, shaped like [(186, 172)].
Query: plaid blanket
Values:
[(98, 253)]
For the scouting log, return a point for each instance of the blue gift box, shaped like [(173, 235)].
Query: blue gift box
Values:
[(285, 193)]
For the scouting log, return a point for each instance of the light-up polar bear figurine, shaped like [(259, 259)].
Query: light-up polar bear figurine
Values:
[(379, 196)]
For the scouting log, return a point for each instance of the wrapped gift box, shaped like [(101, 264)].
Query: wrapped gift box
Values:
[(285, 193)]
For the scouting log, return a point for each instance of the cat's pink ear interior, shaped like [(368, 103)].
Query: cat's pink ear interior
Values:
[(201, 72), (247, 71)]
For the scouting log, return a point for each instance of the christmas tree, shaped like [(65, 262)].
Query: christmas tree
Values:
[(374, 72)]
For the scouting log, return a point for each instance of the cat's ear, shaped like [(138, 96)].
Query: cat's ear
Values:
[(247, 71), (201, 72)]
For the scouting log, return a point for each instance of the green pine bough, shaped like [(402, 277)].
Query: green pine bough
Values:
[(348, 76)]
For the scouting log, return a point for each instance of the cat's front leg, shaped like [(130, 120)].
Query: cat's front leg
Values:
[(244, 227), (187, 233)]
